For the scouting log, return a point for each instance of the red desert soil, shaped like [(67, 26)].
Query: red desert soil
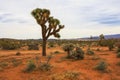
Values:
[(84, 67)]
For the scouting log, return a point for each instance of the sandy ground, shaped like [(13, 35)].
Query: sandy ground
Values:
[(85, 67)]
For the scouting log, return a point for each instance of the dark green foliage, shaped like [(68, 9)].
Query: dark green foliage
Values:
[(90, 52), (42, 17), (30, 66), (110, 44), (118, 55), (16, 62), (101, 40), (68, 48), (45, 67), (56, 52), (3, 64), (78, 53), (51, 44), (9, 45), (13, 44), (33, 47), (118, 50), (101, 66)]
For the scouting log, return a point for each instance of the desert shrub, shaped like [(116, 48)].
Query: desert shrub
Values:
[(117, 44), (68, 75), (90, 52), (118, 55), (18, 53), (51, 44), (68, 48), (103, 43), (3, 64), (33, 47), (78, 53), (16, 62), (56, 52), (9, 46), (110, 44), (44, 67), (30, 66), (101, 66), (118, 50)]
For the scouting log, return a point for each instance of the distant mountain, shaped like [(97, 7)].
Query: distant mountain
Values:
[(115, 36)]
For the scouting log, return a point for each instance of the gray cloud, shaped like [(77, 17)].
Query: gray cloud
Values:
[(81, 17), (102, 12), (11, 18)]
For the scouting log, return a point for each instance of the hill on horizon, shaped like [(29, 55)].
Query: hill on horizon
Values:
[(116, 36)]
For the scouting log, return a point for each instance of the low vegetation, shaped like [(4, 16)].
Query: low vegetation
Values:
[(101, 66), (118, 55), (30, 66), (58, 68), (68, 75), (68, 48), (90, 52)]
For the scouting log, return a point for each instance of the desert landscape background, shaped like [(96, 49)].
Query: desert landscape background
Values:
[(59, 39), (17, 64)]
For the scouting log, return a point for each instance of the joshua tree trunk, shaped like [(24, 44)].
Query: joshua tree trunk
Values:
[(42, 17), (44, 47), (68, 53)]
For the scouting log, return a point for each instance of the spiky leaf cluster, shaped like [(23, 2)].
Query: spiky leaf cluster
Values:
[(68, 47), (43, 18)]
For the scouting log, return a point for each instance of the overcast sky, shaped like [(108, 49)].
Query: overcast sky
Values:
[(82, 18)]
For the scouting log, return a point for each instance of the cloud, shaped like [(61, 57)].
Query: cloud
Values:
[(11, 18), (80, 17), (103, 12), (109, 19)]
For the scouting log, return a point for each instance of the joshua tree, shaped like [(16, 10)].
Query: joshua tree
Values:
[(101, 38), (68, 48), (49, 25)]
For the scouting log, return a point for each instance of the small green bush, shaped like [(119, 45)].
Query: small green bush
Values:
[(101, 66), (118, 50), (16, 62), (45, 67), (90, 52), (68, 48), (3, 64), (33, 47), (30, 66), (118, 55), (56, 52), (78, 53), (51, 44)]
